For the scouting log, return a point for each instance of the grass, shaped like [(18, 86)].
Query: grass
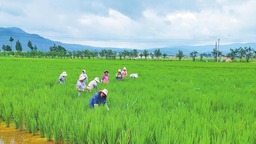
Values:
[(170, 102)]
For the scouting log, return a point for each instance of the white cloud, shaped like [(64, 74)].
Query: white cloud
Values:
[(100, 23)]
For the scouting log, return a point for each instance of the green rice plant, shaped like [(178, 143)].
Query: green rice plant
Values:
[(170, 102), (56, 132), (41, 124), (7, 112), (49, 128), (18, 117)]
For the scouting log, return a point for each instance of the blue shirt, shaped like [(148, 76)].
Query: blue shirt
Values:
[(97, 99)]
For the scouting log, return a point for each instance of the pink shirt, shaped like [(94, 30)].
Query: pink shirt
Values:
[(105, 78)]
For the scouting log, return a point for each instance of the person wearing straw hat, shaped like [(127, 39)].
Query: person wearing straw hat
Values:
[(99, 98), (124, 72), (119, 75), (93, 84), (105, 78), (85, 75), (62, 77), (80, 85)]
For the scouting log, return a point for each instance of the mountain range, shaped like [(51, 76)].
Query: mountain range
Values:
[(43, 44)]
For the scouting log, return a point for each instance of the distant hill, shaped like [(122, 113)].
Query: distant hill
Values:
[(44, 44)]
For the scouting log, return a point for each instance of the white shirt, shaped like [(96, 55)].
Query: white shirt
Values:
[(92, 84), (80, 85), (85, 75)]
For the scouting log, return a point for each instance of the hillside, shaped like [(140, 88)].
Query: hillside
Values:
[(44, 44)]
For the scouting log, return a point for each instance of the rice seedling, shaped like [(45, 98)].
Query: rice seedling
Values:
[(170, 102)]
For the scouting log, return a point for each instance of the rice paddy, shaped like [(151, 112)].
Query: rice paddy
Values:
[(170, 101)]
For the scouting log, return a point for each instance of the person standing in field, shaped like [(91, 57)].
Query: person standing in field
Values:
[(85, 75), (124, 72), (93, 84), (80, 85), (62, 77), (99, 98), (119, 75), (105, 78)]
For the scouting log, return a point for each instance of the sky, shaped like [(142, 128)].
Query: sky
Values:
[(137, 24)]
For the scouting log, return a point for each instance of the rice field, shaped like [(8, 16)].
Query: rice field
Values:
[(171, 102)]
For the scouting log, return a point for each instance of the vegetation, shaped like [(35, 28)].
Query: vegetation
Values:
[(170, 102), (180, 55), (244, 54)]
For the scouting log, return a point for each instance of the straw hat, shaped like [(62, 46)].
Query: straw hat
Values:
[(64, 73), (124, 68), (105, 91), (119, 70), (84, 71), (97, 79)]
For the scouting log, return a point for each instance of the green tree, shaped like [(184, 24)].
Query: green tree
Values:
[(141, 55), (4, 47), (11, 40), (232, 54), (152, 55), (86, 53), (164, 55), (134, 53), (216, 53), (95, 54), (35, 48), (241, 53), (18, 46), (126, 54), (8, 48), (193, 54), (157, 53), (30, 45), (180, 55), (201, 57), (145, 54), (120, 54), (103, 53), (248, 53)]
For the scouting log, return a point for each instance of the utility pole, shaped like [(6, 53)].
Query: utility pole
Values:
[(218, 49)]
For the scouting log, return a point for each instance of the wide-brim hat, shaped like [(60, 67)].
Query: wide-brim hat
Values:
[(84, 71), (97, 79), (105, 91), (64, 73), (105, 71)]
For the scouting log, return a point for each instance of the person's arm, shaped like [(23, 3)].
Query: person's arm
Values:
[(106, 105), (86, 80), (95, 86)]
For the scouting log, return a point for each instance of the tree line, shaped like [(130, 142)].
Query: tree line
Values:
[(57, 51)]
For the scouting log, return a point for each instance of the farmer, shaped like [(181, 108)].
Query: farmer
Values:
[(93, 84), (80, 85), (62, 77), (85, 75), (104, 78), (119, 75), (99, 98), (124, 72), (134, 75)]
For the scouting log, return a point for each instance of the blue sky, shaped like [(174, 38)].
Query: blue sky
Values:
[(136, 24)]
